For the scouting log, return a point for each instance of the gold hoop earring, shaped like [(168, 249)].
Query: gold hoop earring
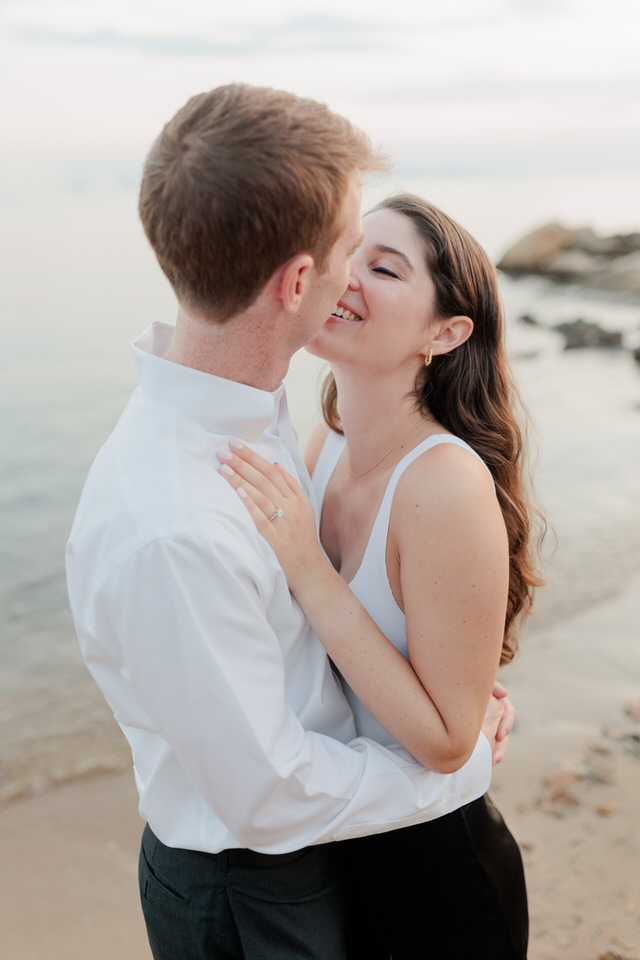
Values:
[(428, 358)]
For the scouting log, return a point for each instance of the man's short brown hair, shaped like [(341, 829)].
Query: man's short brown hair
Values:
[(239, 181)]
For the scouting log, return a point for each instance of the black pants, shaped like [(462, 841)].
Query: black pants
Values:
[(452, 887), (202, 907)]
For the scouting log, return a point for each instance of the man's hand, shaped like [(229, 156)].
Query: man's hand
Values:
[(498, 722)]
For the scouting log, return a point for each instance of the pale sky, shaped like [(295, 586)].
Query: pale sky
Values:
[(471, 85)]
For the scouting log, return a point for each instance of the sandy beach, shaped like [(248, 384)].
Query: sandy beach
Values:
[(568, 789), (570, 783)]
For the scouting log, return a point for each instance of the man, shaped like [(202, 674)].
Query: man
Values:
[(243, 747)]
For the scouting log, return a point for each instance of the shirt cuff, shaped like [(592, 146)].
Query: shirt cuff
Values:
[(474, 778)]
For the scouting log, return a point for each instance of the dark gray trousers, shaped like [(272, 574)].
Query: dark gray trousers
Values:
[(241, 906), (450, 888)]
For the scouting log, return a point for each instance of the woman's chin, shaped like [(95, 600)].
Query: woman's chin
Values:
[(332, 345), (314, 346)]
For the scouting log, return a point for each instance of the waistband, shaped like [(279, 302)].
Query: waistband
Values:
[(241, 857), (234, 857)]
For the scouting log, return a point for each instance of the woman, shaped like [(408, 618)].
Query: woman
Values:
[(424, 516)]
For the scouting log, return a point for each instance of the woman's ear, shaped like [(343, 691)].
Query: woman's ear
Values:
[(445, 335), (294, 276)]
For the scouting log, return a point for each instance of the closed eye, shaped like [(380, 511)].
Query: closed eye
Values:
[(386, 271)]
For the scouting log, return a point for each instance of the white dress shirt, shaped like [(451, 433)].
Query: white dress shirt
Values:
[(240, 733)]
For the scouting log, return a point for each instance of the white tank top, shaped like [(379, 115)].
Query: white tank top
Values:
[(370, 583)]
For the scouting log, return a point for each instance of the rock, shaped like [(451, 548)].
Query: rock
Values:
[(528, 320), (579, 334), (572, 265), (602, 246), (625, 243), (613, 956), (529, 254), (559, 791), (578, 256), (620, 275)]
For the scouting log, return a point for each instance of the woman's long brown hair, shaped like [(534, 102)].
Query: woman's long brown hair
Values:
[(471, 390)]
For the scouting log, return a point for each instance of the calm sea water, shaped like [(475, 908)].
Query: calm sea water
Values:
[(78, 283)]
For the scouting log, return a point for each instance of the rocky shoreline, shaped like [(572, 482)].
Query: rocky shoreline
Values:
[(567, 255), (582, 258)]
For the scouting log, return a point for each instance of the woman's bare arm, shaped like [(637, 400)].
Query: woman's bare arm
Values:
[(433, 724), (450, 545)]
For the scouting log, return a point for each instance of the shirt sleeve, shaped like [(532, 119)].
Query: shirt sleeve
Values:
[(191, 640)]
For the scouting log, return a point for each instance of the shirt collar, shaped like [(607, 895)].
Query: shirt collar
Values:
[(218, 405)]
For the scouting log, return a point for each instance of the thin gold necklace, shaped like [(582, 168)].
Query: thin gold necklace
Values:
[(394, 447)]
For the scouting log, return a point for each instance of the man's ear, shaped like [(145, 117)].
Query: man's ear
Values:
[(294, 276), (445, 335)]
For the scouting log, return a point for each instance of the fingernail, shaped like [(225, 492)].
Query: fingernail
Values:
[(228, 472), (236, 445), (224, 454), (242, 493)]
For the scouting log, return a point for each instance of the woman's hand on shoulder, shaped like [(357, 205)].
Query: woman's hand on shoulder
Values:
[(280, 511)]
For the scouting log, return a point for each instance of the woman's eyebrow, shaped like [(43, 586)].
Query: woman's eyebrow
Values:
[(382, 248)]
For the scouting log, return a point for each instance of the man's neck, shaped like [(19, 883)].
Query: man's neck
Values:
[(246, 349)]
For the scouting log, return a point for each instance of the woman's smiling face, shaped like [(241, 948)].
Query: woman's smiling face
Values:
[(382, 318)]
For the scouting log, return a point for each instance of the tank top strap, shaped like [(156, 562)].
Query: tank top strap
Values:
[(375, 551), (432, 441)]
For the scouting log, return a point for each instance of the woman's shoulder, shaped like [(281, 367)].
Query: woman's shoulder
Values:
[(447, 471), (445, 497)]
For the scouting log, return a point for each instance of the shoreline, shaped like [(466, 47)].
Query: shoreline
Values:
[(568, 788)]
